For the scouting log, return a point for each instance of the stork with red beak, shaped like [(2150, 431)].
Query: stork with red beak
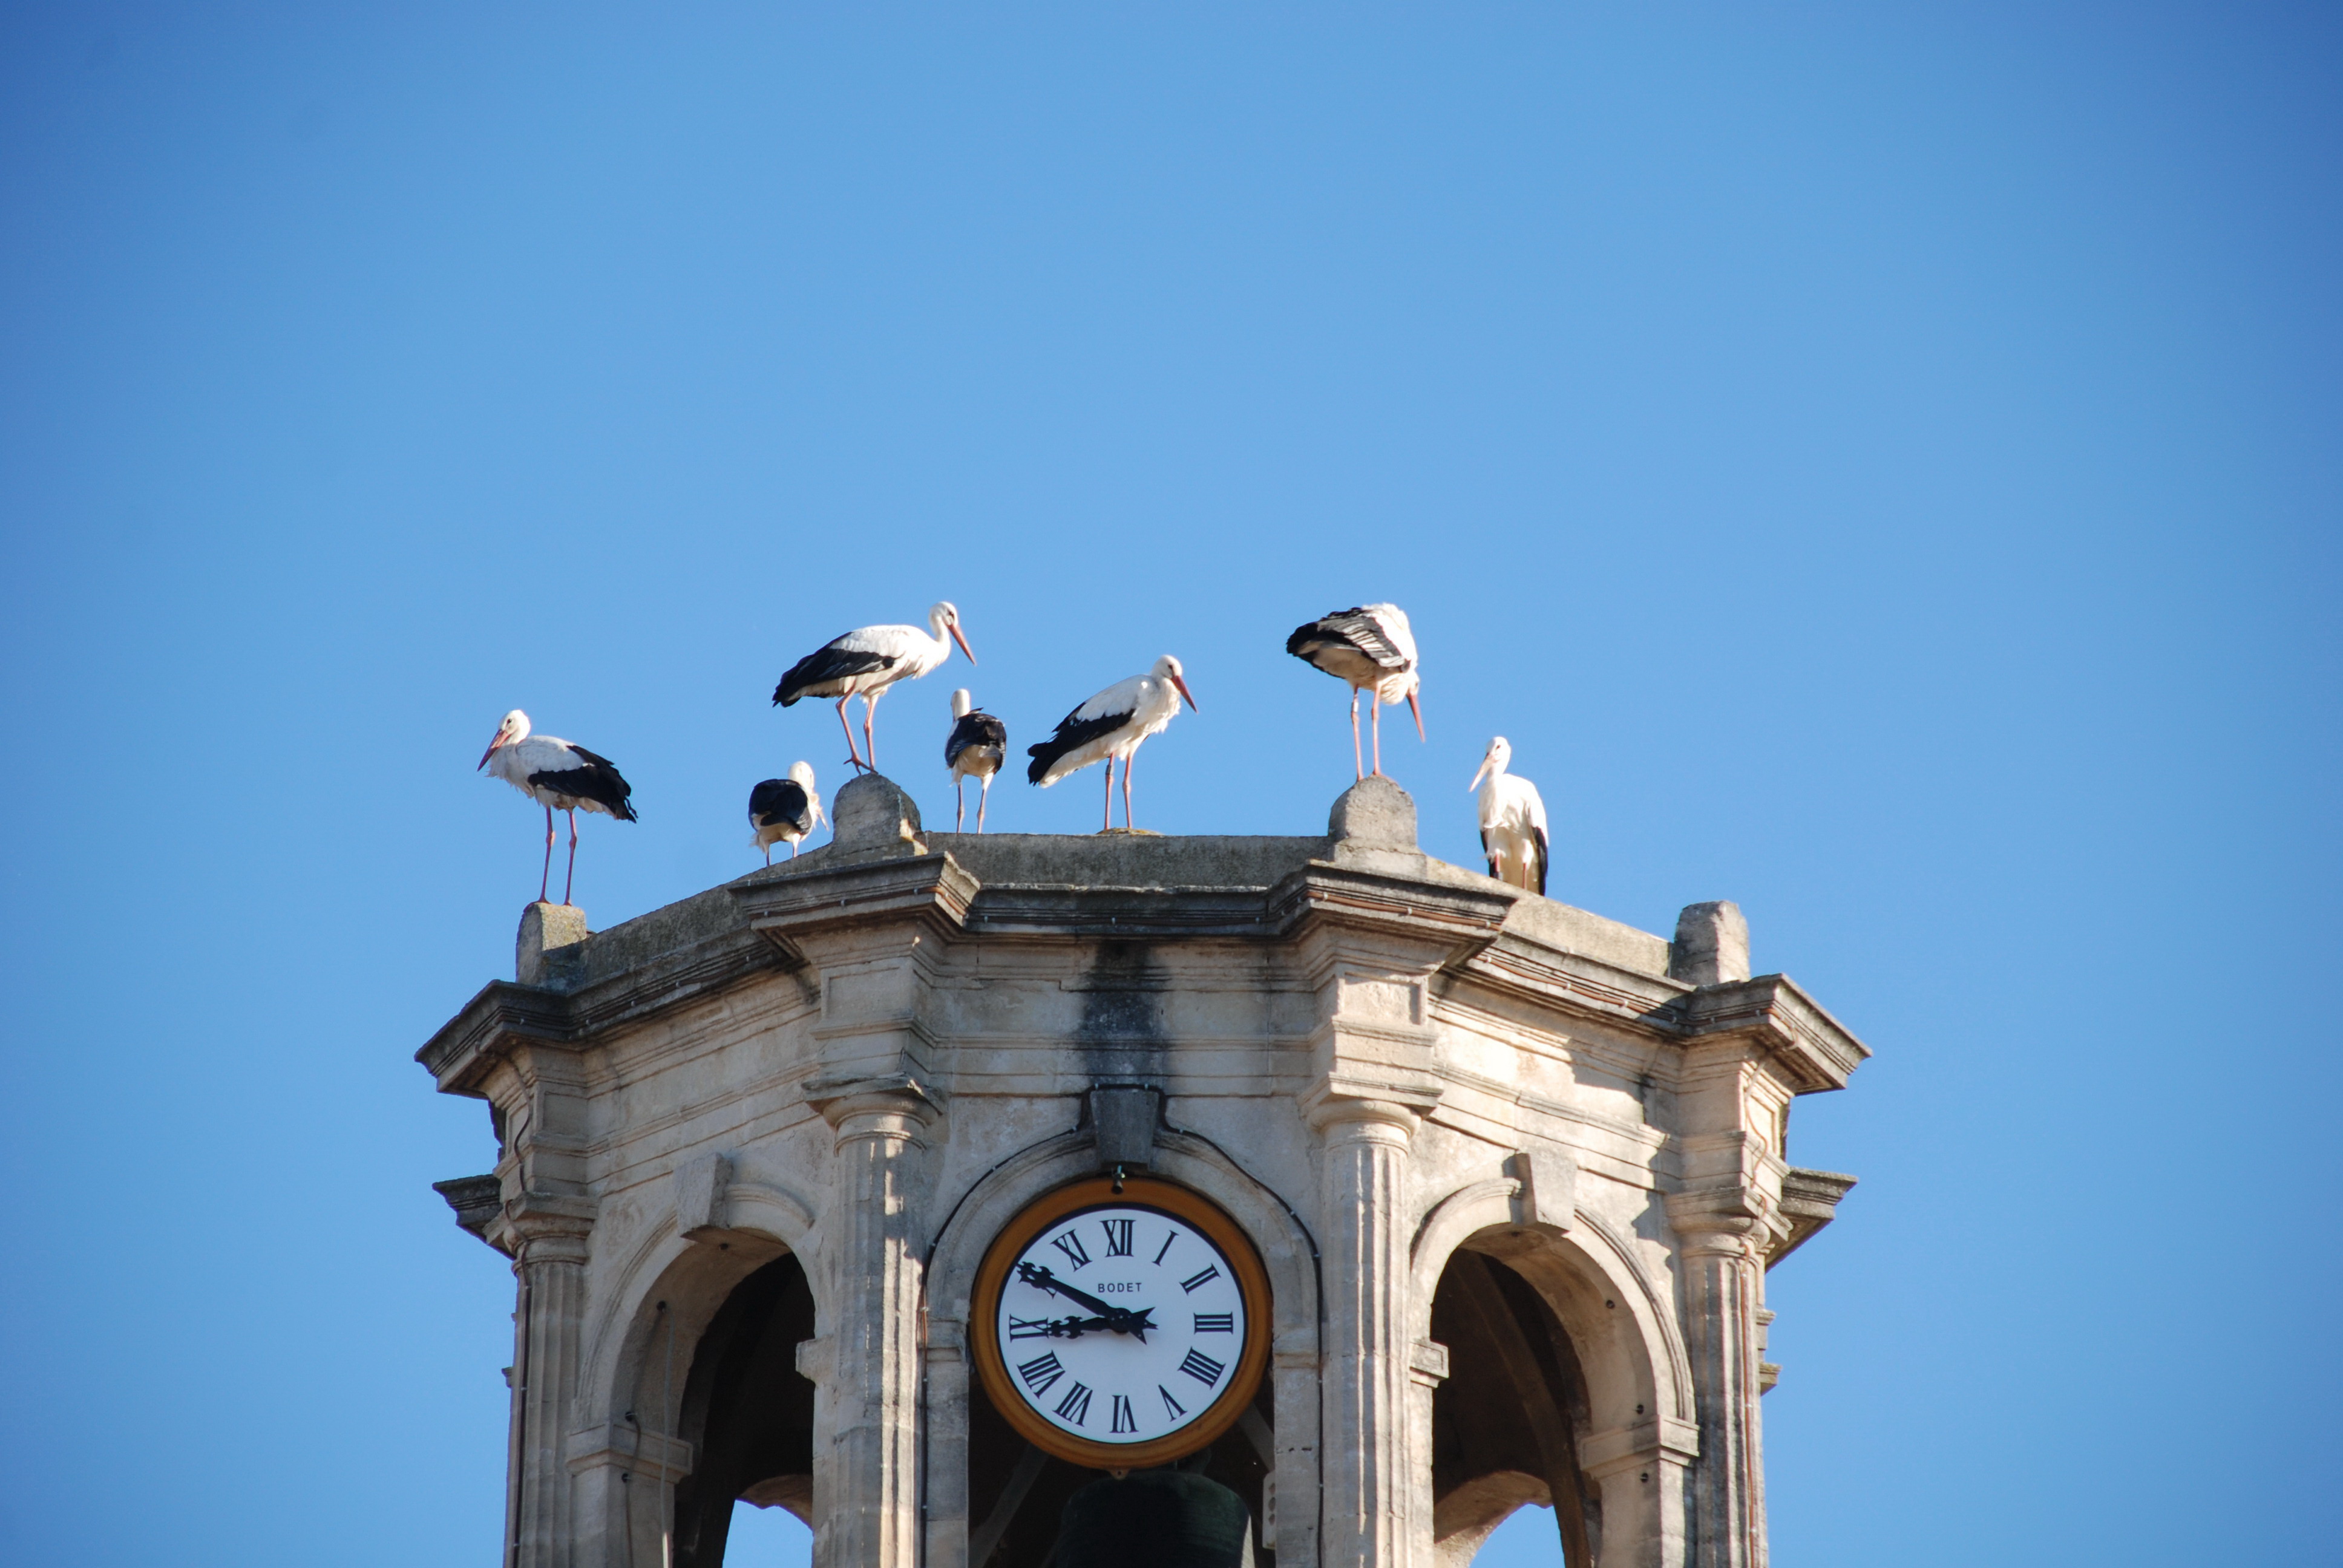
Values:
[(1113, 724), (1370, 647), (560, 777), (864, 663)]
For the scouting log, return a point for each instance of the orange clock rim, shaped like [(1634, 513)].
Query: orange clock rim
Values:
[(1144, 1192)]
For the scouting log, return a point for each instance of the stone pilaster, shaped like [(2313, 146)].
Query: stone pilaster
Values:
[(1723, 1298), (1364, 1389), (866, 1475), (549, 1321)]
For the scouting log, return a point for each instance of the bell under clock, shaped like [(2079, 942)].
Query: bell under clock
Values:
[(1118, 1329)]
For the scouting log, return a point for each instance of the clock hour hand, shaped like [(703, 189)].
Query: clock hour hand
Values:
[(1121, 1320), (1058, 1328)]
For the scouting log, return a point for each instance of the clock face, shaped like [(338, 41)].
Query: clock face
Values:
[(1122, 1329)]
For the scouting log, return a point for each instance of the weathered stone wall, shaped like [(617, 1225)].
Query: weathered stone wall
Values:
[(869, 1056)]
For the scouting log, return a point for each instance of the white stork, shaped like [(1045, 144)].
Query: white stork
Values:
[(865, 663), (976, 746), (559, 777), (1111, 725), (1512, 821), (784, 810), (1371, 647)]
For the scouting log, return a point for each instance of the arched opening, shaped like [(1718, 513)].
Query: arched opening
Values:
[(747, 1411), (1506, 1423)]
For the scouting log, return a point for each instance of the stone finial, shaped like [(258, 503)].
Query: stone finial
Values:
[(1712, 945), (546, 948), (1374, 814), (871, 813)]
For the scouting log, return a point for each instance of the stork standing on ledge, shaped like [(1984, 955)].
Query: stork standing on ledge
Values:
[(1371, 647), (1512, 821), (1111, 725), (559, 777), (865, 663), (976, 746), (784, 810)]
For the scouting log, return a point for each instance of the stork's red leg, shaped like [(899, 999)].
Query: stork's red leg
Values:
[(1358, 760), (983, 794), (1126, 787), (853, 758), (570, 880), (545, 877), (960, 803), (1377, 721), (1108, 826), (870, 747)]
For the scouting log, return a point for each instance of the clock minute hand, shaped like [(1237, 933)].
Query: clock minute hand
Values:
[(1121, 1320)]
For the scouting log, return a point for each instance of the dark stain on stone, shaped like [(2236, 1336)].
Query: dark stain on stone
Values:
[(1121, 1035)]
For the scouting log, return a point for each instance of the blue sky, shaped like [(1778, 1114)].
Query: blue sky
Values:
[(1877, 464)]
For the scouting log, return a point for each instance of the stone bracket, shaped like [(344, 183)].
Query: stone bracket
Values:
[(699, 1186), (1123, 1119)]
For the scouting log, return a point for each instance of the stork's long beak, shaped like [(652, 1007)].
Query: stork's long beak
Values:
[(1416, 709), (1185, 692), (1476, 776), (954, 629), (491, 751)]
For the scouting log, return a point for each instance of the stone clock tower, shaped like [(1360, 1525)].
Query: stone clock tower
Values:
[(1509, 1176)]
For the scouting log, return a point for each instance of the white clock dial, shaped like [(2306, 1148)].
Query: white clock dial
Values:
[(1120, 1323)]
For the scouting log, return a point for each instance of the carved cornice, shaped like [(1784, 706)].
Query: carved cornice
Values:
[(933, 888), (1773, 1012), (1810, 1201), (504, 1015)]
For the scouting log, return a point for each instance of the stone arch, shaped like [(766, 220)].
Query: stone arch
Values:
[(640, 1445), (1581, 1272), (1287, 1251), (1574, 1298)]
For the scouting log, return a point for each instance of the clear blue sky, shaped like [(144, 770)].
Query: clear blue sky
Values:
[(1879, 464)]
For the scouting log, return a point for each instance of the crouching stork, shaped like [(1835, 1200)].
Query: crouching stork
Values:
[(975, 748), (864, 663), (1512, 821), (1111, 725), (1371, 647), (559, 776), (784, 811)]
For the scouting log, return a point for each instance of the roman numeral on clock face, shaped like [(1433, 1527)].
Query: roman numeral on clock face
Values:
[(1029, 1327), (1192, 1281), (1072, 1246), (1118, 1237), (1120, 1417), (1076, 1406), (1166, 1246), (1203, 1368), (1206, 1323), (1041, 1373), (1172, 1409)]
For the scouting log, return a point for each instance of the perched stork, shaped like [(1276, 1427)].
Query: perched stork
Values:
[(1512, 821), (1111, 725), (559, 777), (976, 746), (865, 663), (1371, 647), (784, 810)]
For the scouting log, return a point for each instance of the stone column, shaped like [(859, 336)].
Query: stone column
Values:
[(1724, 1291), (866, 1475), (1366, 1386), (551, 1268)]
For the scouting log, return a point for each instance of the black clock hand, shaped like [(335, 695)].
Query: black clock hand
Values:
[(1121, 1320)]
